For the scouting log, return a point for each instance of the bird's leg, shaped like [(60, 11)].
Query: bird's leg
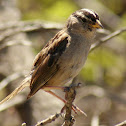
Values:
[(74, 107), (48, 88), (52, 93)]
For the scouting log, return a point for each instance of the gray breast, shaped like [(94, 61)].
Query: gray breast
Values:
[(75, 55)]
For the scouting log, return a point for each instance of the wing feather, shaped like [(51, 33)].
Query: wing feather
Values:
[(45, 64)]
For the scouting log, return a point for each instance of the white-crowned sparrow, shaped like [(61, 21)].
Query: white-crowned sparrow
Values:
[(64, 56)]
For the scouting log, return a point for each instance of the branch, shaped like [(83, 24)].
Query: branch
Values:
[(11, 78), (95, 120), (9, 33), (17, 27), (48, 120), (122, 123), (23, 124), (69, 120), (106, 38), (16, 101), (15, 42), (69, 96), (32, 25)]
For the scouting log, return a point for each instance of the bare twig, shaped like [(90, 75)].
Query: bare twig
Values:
[(15, 42), (95, 120), (11, 78), (18, 27), (23, 124), (16, 101), (122, 123), (106, 38), (69, 120), (32, 25), (9, 33), (69, 96), (48, 120)]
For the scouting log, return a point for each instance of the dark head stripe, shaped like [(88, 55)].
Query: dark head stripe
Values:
[(86, 14)]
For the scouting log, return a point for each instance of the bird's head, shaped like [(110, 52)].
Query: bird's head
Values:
[(84, 20)]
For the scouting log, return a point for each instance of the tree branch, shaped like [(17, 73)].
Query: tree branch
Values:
[(70, 94), (48, 120), (122, 123), (31, 25), (17, 27), (11, 78), (15, 42), (106, 38), (23, 124)]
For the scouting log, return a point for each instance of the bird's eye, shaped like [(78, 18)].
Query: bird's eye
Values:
[(93, 19), (91, 16), (83, 19)]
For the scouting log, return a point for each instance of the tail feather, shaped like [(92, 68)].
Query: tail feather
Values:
[(25, 83)]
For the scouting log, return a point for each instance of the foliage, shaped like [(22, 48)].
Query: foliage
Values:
[(47, 9)]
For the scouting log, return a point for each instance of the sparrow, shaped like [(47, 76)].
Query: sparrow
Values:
[(62, 58)]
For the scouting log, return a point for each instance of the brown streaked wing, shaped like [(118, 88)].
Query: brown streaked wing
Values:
[(48, 67)]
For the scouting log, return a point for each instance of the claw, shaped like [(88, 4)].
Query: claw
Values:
[(74, 107), (78, 109)]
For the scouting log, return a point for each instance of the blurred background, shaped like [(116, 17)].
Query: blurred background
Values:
[(26, 26)]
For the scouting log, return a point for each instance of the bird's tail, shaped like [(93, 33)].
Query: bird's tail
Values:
[(25, 83)]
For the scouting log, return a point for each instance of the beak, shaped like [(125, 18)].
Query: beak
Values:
[(97, 24)]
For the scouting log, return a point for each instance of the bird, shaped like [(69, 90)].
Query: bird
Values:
[(62, 58)]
